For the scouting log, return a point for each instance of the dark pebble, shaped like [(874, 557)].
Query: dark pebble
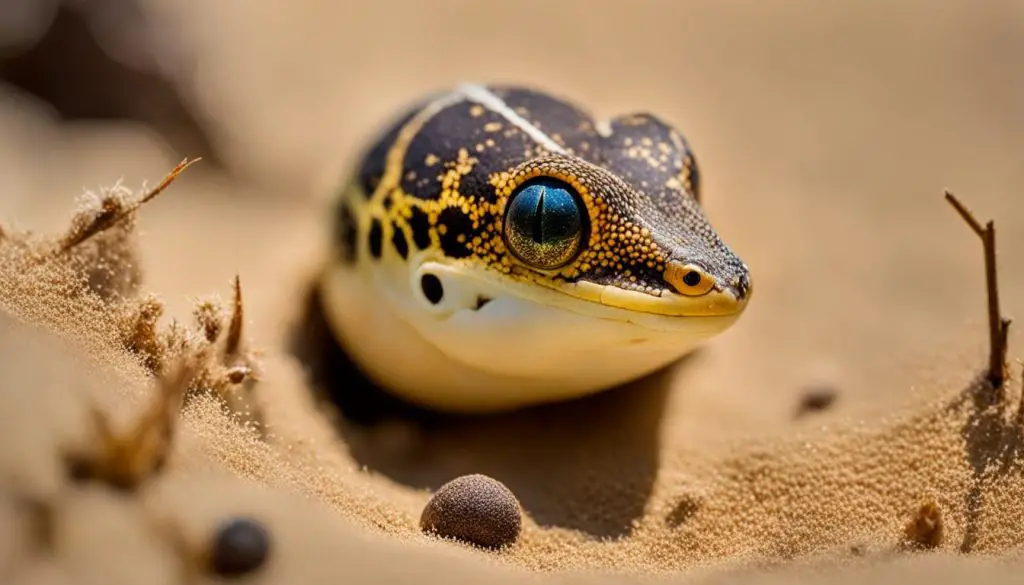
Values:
[(816, 399), (475, 509), (240, 546)]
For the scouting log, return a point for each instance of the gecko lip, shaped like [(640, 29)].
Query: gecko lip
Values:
[(578, 295), (716, 303)]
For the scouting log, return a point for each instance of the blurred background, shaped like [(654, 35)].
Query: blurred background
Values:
[(826, 132)]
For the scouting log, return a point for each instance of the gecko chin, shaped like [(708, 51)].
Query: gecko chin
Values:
[(465, 339), (485, 344), (545, 336)]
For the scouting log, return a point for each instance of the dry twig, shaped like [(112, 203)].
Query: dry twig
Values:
[(114, 211), (235, 328), (998, 326), (125, 460)]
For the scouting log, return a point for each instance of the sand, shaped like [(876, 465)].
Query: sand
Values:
[(826, 135)]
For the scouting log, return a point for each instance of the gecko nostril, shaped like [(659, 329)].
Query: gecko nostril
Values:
[(743, 286)]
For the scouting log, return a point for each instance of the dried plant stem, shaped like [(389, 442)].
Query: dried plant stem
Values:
[(124, 460), (998, 326), (1020, 404), (113, 212), (235, 328)]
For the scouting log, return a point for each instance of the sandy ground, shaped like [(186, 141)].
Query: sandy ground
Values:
[(826, 135)]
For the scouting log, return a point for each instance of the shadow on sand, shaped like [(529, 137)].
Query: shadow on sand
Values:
[(587, 464)]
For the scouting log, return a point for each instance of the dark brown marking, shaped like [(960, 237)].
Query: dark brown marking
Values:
[(419, 223), (457, 234), (399, 242), (376, 238), (374, 161), (347, 232)]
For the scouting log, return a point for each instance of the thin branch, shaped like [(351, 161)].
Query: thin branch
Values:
[(966, 214), (1020, 405), (167, 180), (235, 328), (125, 459), (998, 326), (113, 212)]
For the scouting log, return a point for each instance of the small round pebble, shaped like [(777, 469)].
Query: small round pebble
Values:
[(240, 546), (475, 509)]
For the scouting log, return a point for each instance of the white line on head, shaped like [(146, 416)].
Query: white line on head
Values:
[(483, 96)]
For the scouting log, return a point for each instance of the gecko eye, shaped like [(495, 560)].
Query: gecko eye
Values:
[(689, 279), (544, 223)]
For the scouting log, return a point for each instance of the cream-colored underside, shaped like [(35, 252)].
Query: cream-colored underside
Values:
[(512, 352)]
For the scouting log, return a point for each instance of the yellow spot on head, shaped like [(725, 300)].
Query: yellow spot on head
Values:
[(431, 160), (476, 110)]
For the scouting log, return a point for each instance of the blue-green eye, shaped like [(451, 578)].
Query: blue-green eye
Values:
[(544, 223)]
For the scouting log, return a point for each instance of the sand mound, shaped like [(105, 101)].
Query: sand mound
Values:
[(125, 431), (167, 387)]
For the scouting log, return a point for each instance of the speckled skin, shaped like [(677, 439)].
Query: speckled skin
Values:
[(442, 179), (607, 270)]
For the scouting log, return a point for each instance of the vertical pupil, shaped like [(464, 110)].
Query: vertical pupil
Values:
[(546, 211), (544, 223), (538, 217)]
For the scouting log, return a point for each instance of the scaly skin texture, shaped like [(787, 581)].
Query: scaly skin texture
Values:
[(609, 224), (442, 179)]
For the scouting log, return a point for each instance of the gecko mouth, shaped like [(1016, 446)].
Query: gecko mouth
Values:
[(464, 287)]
